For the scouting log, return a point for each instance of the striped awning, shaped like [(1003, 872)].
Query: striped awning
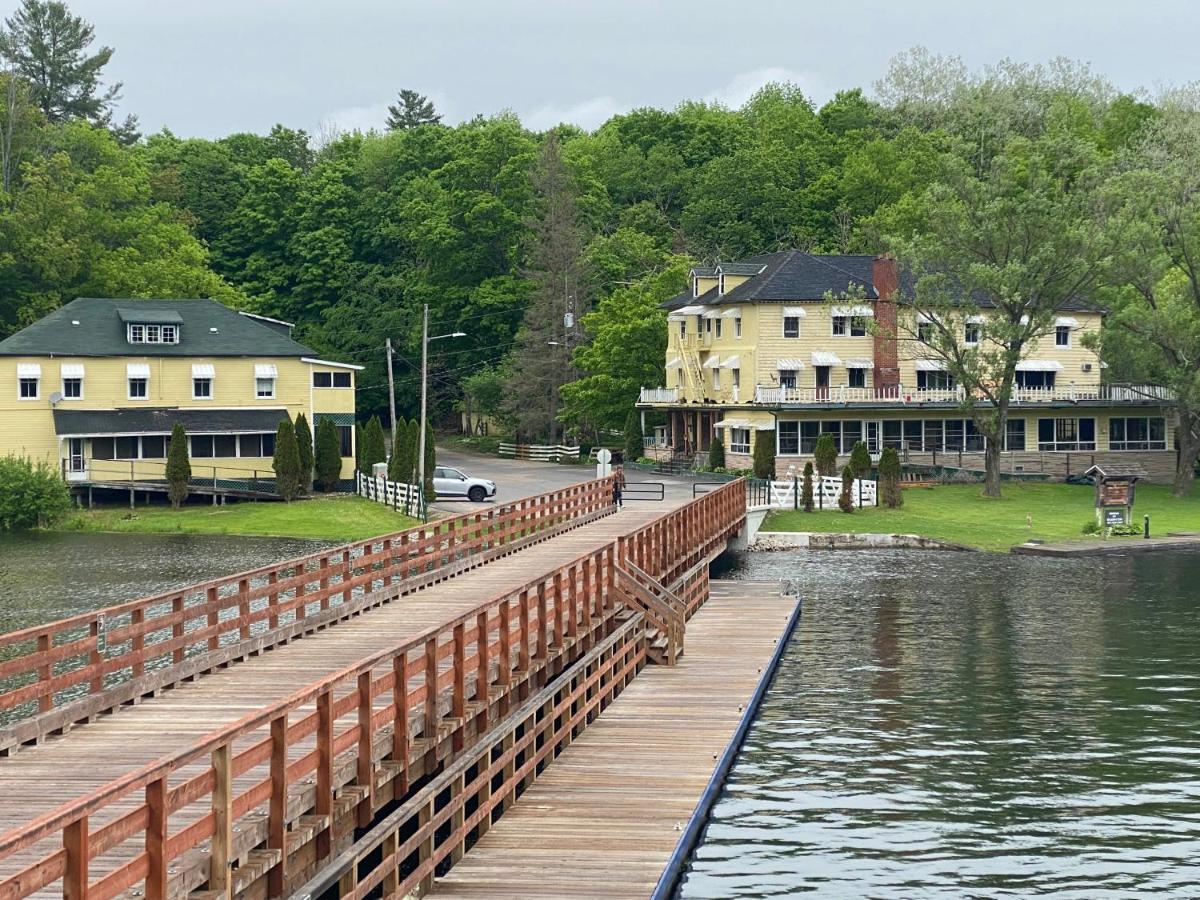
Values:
[(203, 370), (860, 364), (138, 370), (674, 363), (743, 423), (930, 365), (29, 370), (1066, 322), (789, 365), (732, 314), (266, 370), (684, 311), (713, 362), (732, 362), (72, 370), (794, 312), (711, 314), (1039, 365), (976, 320), (825, 358), (852, 311)]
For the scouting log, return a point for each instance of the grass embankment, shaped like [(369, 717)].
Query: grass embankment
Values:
[(340, 519), (958, 513)]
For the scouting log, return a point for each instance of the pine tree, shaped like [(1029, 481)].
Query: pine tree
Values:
[(410, 111), (633, 437), (889, 478), (846, 497), (764, 454), (328, 456), (304, 452), (286, 462), (374, 444), (360, 449), (716, 452), (825, 458), (430, 462), (807, 496), (860, 463), (179, 468), (397, 464)]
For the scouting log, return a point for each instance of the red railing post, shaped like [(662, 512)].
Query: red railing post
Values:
[(75, 843), (277, 810), (156, 839)]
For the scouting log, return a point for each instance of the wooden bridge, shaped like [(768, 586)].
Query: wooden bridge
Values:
[(415, 686)]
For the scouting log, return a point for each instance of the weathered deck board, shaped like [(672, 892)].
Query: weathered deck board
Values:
[(39, 779), (606, 815)]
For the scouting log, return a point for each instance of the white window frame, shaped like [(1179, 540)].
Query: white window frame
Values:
[(716, 379), (67, 396), (37, 387), (971, 333), (784, 332), (1122, 446), (137, 334), (682, 329), (258, 392), (196, 380), (129, 380), (795, 378), (170, 334), (735, 444), (718, 330), (924, 331), (1062, 331), (850, 374), (144, 333), (737, 327)]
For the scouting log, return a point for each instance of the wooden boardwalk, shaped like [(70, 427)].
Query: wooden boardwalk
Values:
[(603, 819), (39, 779)]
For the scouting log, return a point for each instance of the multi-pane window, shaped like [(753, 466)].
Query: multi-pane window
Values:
[(153, 334), (739, 440), (924, 332), (791, 326), (138, 388), (1014, 434), (737, 327), (935, 381), (154, 446), (1068, 433), (736, 376), (716, 381), (1062, 336), (264, 388), (28, 388), (849, 326), (718, 321), (788, 438), (72, 388), (1137, 433), (202, 388), (971, 333), (682, 329), (856, 378), (787, 378), (1038, 380)]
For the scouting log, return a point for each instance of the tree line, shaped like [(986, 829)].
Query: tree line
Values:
[(1027, 185)]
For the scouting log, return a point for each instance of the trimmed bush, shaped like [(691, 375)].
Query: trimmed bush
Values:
[(846, 497), (430, 462), (807, 496), (889, 478), (860, 464), (716, 452), (286, 462), (304, 451), (374, 445), (328, 457), (31, 494), (764, 454), (179, 467), (400, 464), (633, 435)]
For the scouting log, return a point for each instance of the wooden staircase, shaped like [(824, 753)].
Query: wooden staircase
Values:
[(665, 613)]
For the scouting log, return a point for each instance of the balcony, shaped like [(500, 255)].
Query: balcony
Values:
[(901, 395), (658, 395)]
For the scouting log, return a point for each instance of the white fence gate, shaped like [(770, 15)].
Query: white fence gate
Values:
[(826, 491), (390, 493)]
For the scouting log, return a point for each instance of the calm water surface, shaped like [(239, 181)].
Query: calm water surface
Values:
[(44, 577), (971, 725)]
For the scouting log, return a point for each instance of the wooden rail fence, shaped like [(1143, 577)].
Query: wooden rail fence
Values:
[(63, 672)]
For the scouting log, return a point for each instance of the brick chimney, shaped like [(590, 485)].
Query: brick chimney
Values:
[(886, 279)]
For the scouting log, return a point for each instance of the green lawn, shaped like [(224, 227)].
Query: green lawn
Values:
[(958, 513), (322, 518)]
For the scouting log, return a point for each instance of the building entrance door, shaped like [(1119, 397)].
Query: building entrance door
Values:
[(822, 373), (76, 467)]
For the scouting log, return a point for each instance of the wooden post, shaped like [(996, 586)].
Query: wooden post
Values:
[(458, 819), (156, 839), (176, 627), (542, 649), (458, 697), (277, 813), (45, 672), (219, 880), (559, 612), (431, 692), (244, 607), (324, 797), (425, 853), (214, 617), (364, 772), (400, 746), (75, 843), (391, 880), (483, 669), (273, 600), (95, 657)]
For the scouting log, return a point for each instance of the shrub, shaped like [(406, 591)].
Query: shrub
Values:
[(430, 461), (889, 478), (1091, 526), (633, 435), (400, 465), (374, 445), (328, 457), (846, 497), (31, 494), (304, 452), (286, 462), (179, 467), (764, 454), (807, 496), (716, 452)]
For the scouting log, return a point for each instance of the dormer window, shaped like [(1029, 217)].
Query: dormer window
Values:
[(150, 325), (146, 333)]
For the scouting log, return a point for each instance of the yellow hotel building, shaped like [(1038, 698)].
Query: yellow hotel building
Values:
[(96, 386), (754, 347)]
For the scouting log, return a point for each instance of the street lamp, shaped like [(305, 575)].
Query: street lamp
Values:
[(425, 339)]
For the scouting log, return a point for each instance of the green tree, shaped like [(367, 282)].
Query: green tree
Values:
[(633, 437), (716, 452), (304, 453), (374, 444), (360, 448), (31, 494), (806, 498), (328, 456), (179, 467), (400, 464), (825, 456), (889, 478), (846, 497), (410, 111), (483, 397), (286, 462), (764, 454), (860, 464), (430, 460)]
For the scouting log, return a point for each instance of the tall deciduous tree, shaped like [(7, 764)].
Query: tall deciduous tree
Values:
[(179, 468), (304, 452), (286, 462), (410, 111), (550, 329)]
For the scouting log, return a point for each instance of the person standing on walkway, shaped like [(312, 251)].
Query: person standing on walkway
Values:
[(618, 486)]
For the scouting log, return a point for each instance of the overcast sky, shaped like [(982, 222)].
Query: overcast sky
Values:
[(213, 67)]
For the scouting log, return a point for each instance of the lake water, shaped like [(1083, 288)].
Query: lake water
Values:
[(971, 725), (48, 576)]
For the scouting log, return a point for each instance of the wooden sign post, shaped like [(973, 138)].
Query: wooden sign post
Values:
[(1114, 493)]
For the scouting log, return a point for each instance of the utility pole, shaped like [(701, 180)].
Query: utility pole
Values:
[(391, 395), (421, 441)]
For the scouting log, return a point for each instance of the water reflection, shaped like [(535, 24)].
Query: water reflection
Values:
[(971, 725)]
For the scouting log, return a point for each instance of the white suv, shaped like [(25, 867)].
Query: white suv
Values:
[(449, 482)]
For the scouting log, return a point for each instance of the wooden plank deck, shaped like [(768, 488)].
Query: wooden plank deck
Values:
[(39, 779), (603, 819)]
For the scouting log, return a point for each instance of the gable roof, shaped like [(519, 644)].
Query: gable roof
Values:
[(206, 328)]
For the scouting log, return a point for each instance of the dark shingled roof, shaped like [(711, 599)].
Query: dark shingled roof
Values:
[(160, 420), (101, 331)]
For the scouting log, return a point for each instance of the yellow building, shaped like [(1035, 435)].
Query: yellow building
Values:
[(756, 347), (96, 387)]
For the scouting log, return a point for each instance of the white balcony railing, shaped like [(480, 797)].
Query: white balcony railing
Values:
[(658, 395), (901, 394)]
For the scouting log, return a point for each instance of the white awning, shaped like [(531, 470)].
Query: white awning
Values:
[(203, 370), (852, 311), (860, 364), (713, 362), (266, 370), (674, 363), (684, 311), (29, 370), (743, 423), (1066, 322), (732, 314), (711, 314), (72, 370), (930, 365), (976, 320), (1039, 365), (794, 312), (824, 358), (138, 370), (789, 365), (732, 362), (924, 318)]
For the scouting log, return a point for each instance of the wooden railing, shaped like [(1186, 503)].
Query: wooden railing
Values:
[(662, 610), (403, 853), (270, 788), (66, 671)]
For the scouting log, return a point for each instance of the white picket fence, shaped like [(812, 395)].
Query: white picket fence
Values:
[(538, 452), (390, 493), (826, 491)]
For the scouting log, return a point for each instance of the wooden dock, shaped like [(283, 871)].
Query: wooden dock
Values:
[(605, 816)]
